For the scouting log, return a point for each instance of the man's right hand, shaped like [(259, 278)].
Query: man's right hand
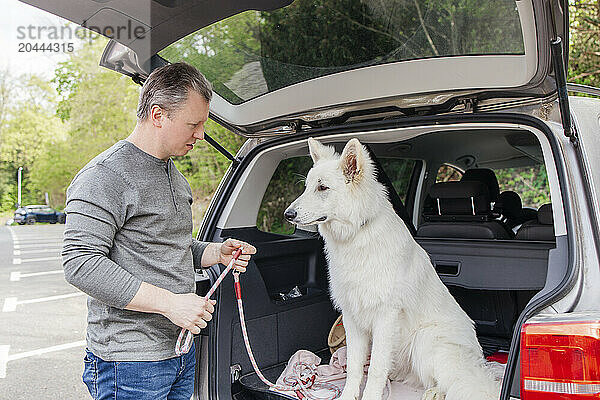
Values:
[(189, 311)]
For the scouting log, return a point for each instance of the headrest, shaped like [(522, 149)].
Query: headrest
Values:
[(460, 198), (486, 176), (509, 204), (545, 214)]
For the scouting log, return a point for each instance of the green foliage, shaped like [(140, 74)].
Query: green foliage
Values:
[(399, 170), (531, 183), (447, 173), (28, 128), (254, 52), (285, 186), (584, 52), (334, 35), (219, 50), (97, 108)]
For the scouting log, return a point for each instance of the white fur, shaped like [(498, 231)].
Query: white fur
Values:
[(393, 303)]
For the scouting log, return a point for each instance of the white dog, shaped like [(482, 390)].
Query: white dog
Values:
[(393, 303)]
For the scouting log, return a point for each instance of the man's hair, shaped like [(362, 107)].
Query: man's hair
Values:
[(168, 88)]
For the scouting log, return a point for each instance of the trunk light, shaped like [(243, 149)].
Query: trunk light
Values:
[(560, 360)]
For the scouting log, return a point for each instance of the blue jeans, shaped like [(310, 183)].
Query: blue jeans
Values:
[(171, 379)]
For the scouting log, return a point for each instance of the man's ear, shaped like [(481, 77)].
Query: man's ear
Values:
[(319, 151), (353, 161), (156, 116)]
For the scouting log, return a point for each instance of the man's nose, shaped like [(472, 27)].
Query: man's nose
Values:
[(199, 134)]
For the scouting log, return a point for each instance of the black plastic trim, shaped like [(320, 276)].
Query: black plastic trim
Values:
[(412, 189), (221, 149)]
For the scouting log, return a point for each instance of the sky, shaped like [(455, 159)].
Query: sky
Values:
[(15, 19)]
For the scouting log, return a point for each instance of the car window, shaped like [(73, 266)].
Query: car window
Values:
[(530, 183), (249, 54), (447, 173), (399, 171), (287, 183)]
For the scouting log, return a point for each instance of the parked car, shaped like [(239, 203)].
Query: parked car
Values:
[(38, 213), (480, 89)]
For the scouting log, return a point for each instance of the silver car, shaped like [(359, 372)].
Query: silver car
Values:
[(438, 91)]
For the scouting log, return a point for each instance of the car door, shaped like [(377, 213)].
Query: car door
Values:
[(395, 57)]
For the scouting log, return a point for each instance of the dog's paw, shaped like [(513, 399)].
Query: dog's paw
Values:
[(347, 396), (433, 394), (372, 395)]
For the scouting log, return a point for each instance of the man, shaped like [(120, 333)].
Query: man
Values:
[(128, 244)]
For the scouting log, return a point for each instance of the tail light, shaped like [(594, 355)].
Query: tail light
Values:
[(560, 358)]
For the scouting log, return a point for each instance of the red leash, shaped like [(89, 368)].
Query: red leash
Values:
[(182, 348)]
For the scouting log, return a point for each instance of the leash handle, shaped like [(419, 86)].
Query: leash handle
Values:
[(182, 346)]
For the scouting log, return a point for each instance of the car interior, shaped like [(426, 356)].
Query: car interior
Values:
[(488, 243)]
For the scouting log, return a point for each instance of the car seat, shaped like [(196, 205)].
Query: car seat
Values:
[(510, 208), (540, 229), (462, 210)]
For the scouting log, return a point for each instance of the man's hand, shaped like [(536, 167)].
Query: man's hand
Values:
[(227, 249), (189, 311), (222, 253), (186, 310)]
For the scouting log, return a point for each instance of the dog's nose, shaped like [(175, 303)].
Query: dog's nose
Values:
[(290, 214)]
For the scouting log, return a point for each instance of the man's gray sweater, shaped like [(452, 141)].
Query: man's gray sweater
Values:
[(129, 221)]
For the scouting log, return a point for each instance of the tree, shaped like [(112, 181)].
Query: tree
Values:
[(584, 54), (97, 108), (28, 128)]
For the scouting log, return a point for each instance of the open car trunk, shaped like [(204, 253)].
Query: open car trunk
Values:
[(492, 278)]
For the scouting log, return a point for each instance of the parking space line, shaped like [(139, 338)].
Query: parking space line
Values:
[(34, 251), (10, 303), (46, 350), (37, 235), (17, 275), (39, 242), (21, 260), (37, 246), (3, 359), (50, 298)]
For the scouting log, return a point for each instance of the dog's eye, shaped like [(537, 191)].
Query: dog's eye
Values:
[(322, 187)]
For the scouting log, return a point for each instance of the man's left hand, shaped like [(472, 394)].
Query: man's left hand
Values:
[(227, 249)]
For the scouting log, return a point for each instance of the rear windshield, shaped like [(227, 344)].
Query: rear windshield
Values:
[(254, 53)]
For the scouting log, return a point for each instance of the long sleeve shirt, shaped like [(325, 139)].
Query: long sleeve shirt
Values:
[(129, 221)]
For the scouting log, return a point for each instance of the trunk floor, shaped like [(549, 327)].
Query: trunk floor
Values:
[(252, 384)]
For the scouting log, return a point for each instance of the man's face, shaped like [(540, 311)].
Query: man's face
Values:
[(186, 125)]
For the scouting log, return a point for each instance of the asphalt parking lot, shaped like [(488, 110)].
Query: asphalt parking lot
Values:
[(42, 318)]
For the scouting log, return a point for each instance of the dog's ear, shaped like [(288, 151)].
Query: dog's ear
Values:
[(319, 151), (353, 161)]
